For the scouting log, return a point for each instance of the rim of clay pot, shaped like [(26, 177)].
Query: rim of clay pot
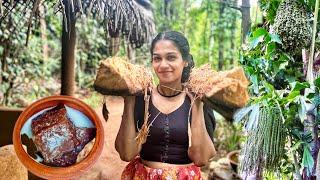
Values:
[(230, 154), (49, 172)]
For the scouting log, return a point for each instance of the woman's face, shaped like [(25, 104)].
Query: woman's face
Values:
[(167, 62)]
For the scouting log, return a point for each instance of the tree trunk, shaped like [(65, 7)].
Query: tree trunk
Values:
[(246, 21), (221, 36), (204, 39), (4, 68), (114, 46), (167, 12), (186, 5), (43, 29), (211, 42), (131, 53), (4, 65), (8, 92), (67, 59), (232, 38)]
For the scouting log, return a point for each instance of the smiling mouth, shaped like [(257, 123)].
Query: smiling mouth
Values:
[(163, 72)]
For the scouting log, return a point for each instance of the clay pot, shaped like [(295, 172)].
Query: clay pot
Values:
[(49, 172), (233, 158)]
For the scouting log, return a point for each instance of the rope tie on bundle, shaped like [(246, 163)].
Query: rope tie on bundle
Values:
[(144, 131)]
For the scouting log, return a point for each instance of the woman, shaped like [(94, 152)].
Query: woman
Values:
[(170, 150)]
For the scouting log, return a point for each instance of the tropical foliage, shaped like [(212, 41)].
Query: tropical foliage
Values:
[(283, 114)]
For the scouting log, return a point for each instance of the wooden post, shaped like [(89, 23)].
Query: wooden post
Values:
[(68, 42)]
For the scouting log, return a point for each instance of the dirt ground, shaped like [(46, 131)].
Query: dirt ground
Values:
[(109, 165)]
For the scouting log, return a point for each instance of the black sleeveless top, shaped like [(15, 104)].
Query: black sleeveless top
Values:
[(168, 139)]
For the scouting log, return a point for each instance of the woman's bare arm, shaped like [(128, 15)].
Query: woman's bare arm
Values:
[(202, 148), (125, 143)]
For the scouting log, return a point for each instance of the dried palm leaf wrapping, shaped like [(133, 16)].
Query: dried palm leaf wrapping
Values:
[(228, 88), (118, 77)]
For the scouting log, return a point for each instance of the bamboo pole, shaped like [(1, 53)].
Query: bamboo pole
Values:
[(309, 122), (311, 55), (318, 167)]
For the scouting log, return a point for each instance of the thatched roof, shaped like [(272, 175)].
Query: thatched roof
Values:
[(131, 18)]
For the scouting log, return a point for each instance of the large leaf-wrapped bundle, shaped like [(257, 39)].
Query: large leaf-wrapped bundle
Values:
[(118, 77), (228, 88), (293, 26)]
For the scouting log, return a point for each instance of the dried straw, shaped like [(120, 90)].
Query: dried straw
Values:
[(226, 87), (202, 79)]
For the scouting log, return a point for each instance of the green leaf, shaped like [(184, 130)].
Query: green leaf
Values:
[(297, 145), (257, 37), (279, 65), (254, 43), (275, 38), (269, 87), (249, 70), (297, 86), (241, 113), (307, 160), (317, 82), (253, 118), (259, 32), (283, 65), (292, 96), (271, 47), (255, 84), (302, 108)]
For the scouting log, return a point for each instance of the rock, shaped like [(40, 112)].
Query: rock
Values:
[(10, 166)]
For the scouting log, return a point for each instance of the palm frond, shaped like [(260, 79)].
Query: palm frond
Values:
[(132, 19)]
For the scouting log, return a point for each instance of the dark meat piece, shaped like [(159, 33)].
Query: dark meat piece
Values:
[(56, 137), (85, 135)]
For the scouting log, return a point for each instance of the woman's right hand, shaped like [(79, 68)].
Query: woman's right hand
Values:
[(125, 143)]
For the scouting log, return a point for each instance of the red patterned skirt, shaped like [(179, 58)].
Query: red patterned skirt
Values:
[(135, 170)]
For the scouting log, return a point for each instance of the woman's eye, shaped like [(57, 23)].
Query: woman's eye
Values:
[(156, 59), (171, 58)]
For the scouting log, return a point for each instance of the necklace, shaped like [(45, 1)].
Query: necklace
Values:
[(166, 95)]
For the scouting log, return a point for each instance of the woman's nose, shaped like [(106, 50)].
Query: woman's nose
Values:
[(164, 64)]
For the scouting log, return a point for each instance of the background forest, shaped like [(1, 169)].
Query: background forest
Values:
[(213, 29)]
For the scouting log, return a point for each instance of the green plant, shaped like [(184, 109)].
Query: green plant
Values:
[(277, 89)]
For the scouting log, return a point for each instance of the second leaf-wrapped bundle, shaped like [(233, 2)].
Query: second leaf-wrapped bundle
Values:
[(227, 88)]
